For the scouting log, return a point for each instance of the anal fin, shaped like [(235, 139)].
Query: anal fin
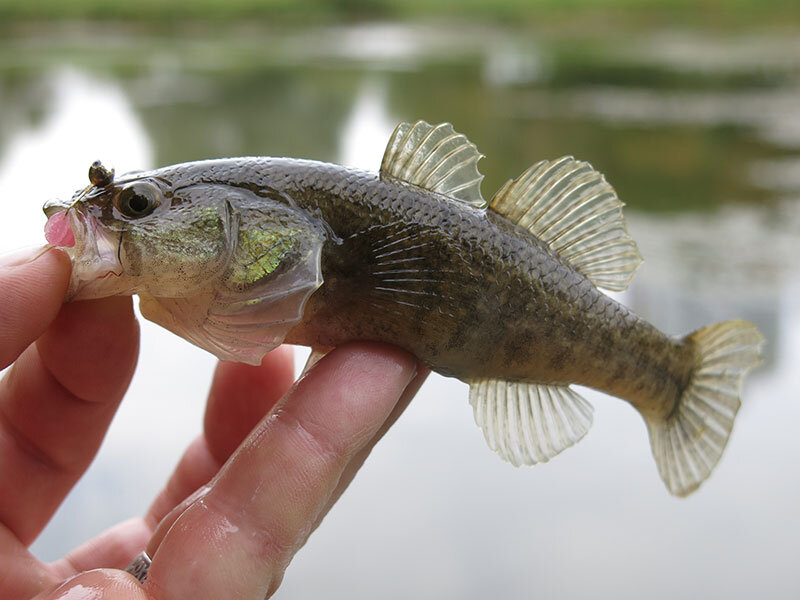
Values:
[(528, 423)]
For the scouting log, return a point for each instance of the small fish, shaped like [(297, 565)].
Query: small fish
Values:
[(240, 255)]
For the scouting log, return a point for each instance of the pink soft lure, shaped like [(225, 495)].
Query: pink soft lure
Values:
[(58, 232)]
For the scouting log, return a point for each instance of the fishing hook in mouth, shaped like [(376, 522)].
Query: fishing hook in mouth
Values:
[(80, 197)]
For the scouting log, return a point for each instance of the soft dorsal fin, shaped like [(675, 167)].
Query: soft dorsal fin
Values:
[(570, 206), (437, 158)]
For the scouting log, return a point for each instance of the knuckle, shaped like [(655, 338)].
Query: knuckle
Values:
[(322, 441)]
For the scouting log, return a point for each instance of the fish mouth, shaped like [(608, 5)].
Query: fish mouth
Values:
[(93, 250)]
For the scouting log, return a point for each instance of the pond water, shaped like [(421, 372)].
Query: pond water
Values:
[(699, 132)]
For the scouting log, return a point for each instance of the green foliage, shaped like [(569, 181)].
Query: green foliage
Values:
[(205, 89), (515, 11)]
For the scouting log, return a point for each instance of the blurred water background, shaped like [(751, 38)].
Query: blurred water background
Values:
[(693, 113)]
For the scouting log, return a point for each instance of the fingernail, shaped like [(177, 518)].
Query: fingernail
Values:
[(17, 258)]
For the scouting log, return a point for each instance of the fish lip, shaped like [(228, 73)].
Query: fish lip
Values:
[(94, 256), (53, 207)]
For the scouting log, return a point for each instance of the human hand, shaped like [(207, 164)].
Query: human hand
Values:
[(239, 504)]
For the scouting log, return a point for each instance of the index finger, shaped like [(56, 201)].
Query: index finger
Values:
[(31, 293), (236, 539)]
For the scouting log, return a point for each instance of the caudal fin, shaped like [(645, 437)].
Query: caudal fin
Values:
[(688, 444)]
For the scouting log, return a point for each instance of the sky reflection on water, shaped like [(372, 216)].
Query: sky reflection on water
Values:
[(434, 514)]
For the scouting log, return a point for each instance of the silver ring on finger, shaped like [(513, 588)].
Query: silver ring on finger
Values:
[(139, 567)]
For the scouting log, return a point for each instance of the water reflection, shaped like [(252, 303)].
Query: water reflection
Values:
[(435, 513), (367, 127), (84, 117)]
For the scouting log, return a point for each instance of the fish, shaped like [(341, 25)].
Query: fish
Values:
[(240, 255)]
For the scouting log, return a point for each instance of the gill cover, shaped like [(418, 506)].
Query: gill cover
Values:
[(273, 268)]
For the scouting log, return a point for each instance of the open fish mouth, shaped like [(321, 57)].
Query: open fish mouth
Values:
[(93, 251)]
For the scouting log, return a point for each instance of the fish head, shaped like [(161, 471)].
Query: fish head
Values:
[(144, 232), (216, 255)]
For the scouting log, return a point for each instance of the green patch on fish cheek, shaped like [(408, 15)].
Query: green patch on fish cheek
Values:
[(258, 254), (166, 251)]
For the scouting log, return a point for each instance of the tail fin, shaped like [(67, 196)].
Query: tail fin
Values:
[(688, 444)]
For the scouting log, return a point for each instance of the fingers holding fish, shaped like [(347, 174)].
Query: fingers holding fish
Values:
[(235, 388), (33, 285), (92, 348), (108, 584), (195, 469), (236, 537), (113, 548), (59, 397), (241, 395), (358, 460), (239, 398)]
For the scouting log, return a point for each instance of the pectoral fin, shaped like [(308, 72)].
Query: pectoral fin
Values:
[(257, 303), (188, 318), (528, 423)]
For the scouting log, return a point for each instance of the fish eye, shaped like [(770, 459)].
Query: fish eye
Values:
[(137, 200)]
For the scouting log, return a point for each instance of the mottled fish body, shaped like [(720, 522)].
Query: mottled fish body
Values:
[(239, 255)]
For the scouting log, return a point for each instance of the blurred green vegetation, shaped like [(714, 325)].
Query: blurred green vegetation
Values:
[(299, 110), (598, 12), (256, 87)]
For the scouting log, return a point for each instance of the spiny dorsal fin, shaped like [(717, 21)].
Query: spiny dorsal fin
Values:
[(570, 206), (528, 423), (436, 158)]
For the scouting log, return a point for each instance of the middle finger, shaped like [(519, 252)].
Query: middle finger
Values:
[(239, 398), (236, 540)]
